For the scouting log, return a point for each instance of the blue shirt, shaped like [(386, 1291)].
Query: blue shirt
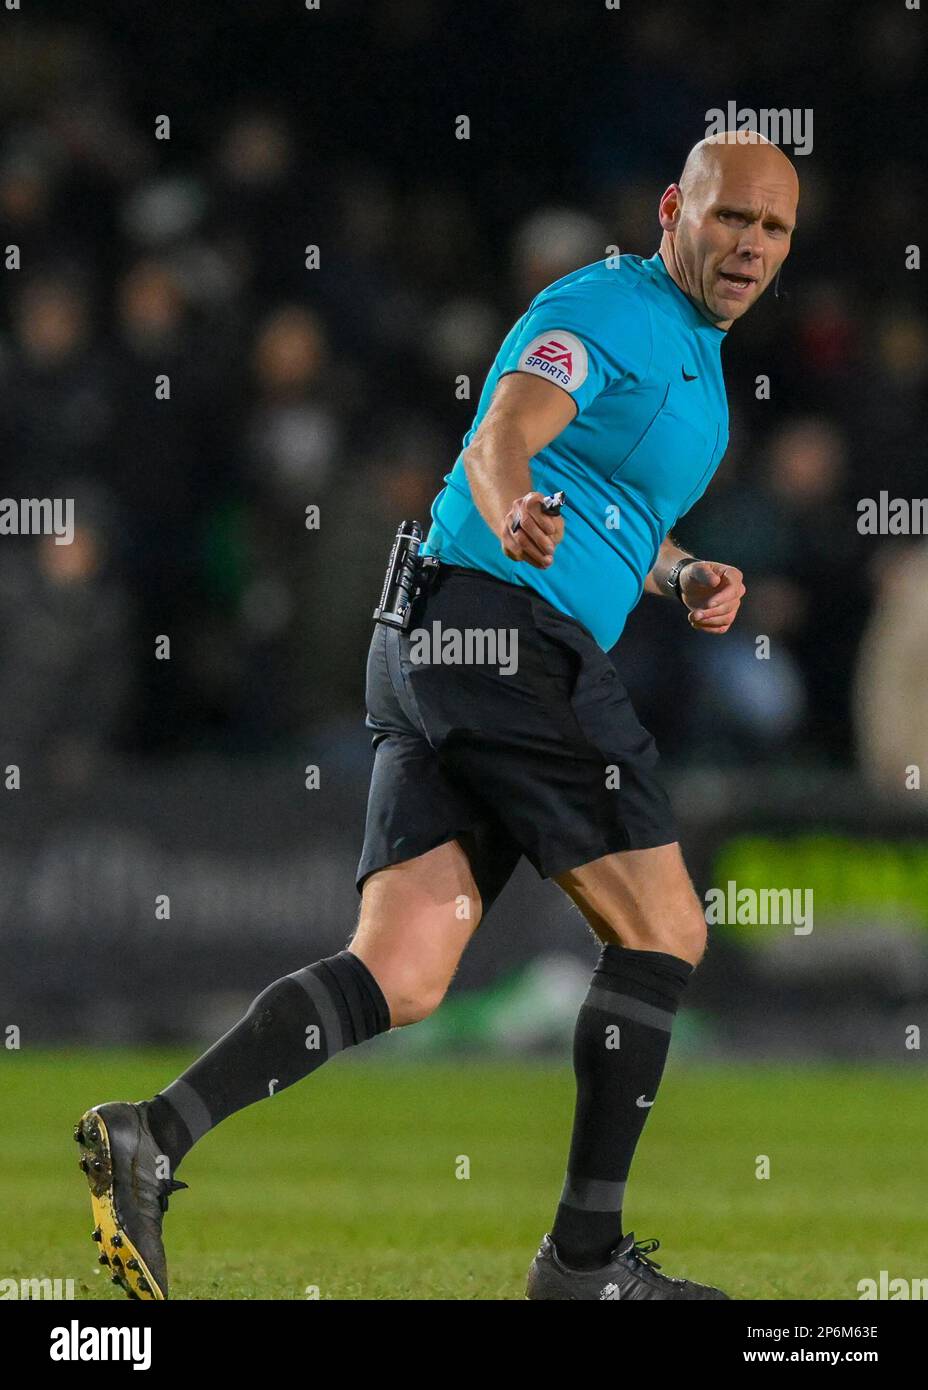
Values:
[(644, 369)]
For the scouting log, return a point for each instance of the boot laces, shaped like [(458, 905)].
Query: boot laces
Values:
[(642, 1249), (640, 1252)]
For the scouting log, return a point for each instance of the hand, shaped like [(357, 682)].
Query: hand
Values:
[(537, 535), (713, 594)]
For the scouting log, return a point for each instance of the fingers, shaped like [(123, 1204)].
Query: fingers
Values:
[(714, 618), (707, 584), (703, 574), (714, 610), (732, 592), (530, 545), (711, 624), (536, 537), (723, 602), (533, 514), (715, 615)]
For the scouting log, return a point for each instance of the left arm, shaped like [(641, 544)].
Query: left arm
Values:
[(711, 591)]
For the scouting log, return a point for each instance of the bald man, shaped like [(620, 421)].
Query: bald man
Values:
[(610, 389)]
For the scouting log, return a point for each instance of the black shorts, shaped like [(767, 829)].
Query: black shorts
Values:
[(549, 761)]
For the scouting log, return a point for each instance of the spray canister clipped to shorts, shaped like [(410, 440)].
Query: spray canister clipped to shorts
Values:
[(401, 583)]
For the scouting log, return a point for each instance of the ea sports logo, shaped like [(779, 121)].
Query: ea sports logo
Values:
[(557, 356), (556, 352)]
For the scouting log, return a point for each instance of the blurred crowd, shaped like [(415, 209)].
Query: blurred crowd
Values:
[(184, 261)]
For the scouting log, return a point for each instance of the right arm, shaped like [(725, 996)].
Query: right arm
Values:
[(525, 414)]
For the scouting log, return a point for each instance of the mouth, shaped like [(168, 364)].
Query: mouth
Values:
[(736, 284)]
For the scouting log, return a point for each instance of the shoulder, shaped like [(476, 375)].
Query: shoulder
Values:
[(601, 290), (604, 303)]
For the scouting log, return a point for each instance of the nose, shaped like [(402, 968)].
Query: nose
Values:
[(751, 242)]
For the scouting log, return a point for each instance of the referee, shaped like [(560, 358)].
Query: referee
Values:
[(609, 388)]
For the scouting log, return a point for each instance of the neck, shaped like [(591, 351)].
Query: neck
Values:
[(672, 266)]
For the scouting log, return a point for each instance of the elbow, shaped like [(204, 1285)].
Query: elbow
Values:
[(474, 460)]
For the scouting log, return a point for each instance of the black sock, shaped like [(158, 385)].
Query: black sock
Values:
[(620, 1046), (294, 1026)]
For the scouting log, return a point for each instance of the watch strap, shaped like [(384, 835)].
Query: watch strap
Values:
[(676, 572)]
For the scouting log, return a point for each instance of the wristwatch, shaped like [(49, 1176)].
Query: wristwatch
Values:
[(673, 575)]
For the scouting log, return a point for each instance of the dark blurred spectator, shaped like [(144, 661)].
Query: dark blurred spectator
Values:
[(55, 410), (64, 654), (551, 243), (889, 405), (293, 434), (794, 535), (348, 558), (891, 680)]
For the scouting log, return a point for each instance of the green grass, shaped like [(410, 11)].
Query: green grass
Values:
[(347, 1182)]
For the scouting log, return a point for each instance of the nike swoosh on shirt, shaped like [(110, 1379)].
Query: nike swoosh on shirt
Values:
[(688, 378), (644, 1104)]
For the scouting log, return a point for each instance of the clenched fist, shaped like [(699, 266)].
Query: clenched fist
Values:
[(537, 534)]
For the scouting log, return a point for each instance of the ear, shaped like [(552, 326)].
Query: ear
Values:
[(671, 205)]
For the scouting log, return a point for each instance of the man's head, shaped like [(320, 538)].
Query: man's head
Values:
[(728, 222)]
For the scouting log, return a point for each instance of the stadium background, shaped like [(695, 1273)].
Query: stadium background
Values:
[(337, 387)]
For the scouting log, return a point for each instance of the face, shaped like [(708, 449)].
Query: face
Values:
[(731, 234)]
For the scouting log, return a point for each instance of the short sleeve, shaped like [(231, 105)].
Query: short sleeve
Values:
[(570, 338)]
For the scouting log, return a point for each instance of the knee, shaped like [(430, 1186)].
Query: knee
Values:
[(679, 932), (412, 1000), (690, 936)]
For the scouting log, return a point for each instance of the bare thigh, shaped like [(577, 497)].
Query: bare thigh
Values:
[(642, 899), (415, 922)]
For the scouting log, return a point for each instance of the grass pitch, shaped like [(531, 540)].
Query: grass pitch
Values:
[(351, 1185)]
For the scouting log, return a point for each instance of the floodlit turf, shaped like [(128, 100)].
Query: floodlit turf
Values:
[(348, 1182)]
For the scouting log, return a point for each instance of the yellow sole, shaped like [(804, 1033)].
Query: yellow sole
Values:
[(117, 1252)]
